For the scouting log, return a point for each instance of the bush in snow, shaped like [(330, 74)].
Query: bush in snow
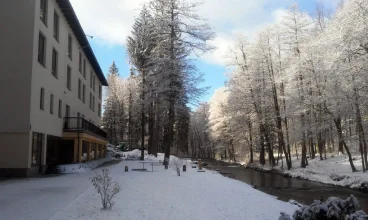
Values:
[(105, 187), (176, 164), (333, 209)]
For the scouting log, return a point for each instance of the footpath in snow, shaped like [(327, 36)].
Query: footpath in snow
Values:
[(164, 195), (335, 170)]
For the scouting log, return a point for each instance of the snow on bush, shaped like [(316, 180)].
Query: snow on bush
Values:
[(105, 187), (176, 164), (333, 209), (82, 167)]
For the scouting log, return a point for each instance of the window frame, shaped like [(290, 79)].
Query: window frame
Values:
[(60, 109), (80, 62), (100, 91), (79, 89), (70, 47), (84, 93), (54, 61), (42, 98), (44, 10), (94, 83), (69, 78), (90, 79), (56, 27), (41, 52), (84, 68), (93, 103), (90, 100), (51, 104), (99, 110)]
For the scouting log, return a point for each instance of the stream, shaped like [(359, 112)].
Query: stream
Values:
[(286, 188)]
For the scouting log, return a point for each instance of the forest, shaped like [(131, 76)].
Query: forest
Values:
[(149, 109), (296, 89)]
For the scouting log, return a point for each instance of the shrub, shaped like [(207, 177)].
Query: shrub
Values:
[(176, 164), (333, 209), (105, 187)]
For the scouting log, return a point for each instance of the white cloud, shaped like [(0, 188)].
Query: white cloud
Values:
[(111, 21)]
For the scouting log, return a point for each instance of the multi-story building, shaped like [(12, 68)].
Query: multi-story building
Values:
[(50, 89)]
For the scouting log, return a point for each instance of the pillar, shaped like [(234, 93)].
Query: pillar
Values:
[(89, 151), (43, 153), (75, 150)]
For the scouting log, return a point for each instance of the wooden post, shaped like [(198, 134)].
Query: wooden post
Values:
[(126, 168), (200, 164), (184, 168)]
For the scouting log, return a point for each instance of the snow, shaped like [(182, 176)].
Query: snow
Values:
[(164, 195), (335, 170)]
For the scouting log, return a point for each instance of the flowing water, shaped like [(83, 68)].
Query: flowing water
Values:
[(286, 188)]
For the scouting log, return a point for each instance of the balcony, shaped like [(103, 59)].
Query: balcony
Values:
[(78, 124)]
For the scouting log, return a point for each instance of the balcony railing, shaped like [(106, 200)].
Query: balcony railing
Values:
[(76, 124)]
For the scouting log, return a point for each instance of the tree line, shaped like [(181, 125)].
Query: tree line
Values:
[(299, 87), (149, 109)]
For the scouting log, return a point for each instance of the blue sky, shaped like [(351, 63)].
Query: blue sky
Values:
[(111, 23)]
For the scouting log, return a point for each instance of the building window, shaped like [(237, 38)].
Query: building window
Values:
[(69, 78), (52, 104), (99, 109), (70, 48), (79, 89), (37, 142), (90, 100), (67, 111), (84, 94), (84, 68), (41, 49), (60, 108), (90, 79), (43, 11), (42, 99), (80, 62), (56, 26), (94, 82), (54, 62), (93, 103), (100, 91)]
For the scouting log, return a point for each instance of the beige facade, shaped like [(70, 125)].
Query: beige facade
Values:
[(23, 76)]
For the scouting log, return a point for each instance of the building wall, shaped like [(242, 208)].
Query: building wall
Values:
[(42, 120), (22, 77), (16, 43)]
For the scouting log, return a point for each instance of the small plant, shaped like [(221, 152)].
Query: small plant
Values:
[(105, 187)]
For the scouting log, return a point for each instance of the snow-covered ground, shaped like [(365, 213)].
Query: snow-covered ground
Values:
[(164, 195), (335, 170), (144, 195)]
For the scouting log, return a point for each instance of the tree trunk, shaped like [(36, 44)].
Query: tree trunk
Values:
[(150, 128), (360, 131), (320, 144), (250, 141), (262, 159), (342, 142), (304, 147)]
